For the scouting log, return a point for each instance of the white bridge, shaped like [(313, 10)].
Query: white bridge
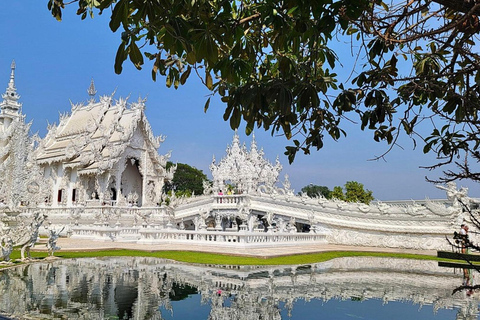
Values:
[(257, 213), (265, 220)]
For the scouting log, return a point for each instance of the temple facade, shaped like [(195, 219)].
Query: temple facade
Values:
[(104, 152)]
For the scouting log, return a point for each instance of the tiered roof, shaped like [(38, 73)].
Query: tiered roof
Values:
[(95, 135)]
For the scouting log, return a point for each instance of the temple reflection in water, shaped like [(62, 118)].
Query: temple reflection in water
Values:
[(143, 288)]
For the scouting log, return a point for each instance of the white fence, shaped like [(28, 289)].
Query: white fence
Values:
[(164, 236)]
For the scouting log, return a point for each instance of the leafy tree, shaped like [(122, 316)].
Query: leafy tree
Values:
[(186, 180), (273, 63), (354, 192), (313, 191), (337, 193)]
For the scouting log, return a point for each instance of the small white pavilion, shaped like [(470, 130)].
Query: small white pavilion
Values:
[(103, 152)]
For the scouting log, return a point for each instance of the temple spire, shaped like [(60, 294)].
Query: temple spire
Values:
[(10, 102), (92, 91), (11, 84)]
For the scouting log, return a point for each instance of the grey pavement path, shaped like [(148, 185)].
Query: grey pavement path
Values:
[(280, 250)]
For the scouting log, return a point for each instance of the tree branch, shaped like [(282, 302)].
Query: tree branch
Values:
[(250, 18)]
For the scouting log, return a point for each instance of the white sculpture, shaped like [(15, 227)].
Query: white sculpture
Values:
[(53, 236), (456, 196), (6, 244), (30, 235)]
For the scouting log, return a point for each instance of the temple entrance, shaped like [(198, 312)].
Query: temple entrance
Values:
[(132, 182)]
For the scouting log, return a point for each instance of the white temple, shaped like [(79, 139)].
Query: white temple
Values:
[(103, 152), (98, 173)]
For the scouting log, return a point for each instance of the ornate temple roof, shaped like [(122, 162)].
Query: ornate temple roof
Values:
[(93, 137), (246, 170)]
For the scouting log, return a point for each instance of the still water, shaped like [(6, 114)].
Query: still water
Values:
[(149, 288)]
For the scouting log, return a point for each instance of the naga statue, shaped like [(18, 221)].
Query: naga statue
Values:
[(53, 236), (29, 237)]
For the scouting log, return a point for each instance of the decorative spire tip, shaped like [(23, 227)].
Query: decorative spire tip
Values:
[(91, 90)]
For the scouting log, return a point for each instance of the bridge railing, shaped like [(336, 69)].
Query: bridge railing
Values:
[(163, 236), (152, 236)]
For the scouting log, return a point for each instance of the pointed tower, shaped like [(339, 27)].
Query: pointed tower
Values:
[(15, 148), (10, 105)]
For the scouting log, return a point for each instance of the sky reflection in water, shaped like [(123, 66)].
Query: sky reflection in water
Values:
[(149, 288), (373, 309)]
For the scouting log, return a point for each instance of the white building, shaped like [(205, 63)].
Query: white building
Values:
[(99, 173), (103, 152)]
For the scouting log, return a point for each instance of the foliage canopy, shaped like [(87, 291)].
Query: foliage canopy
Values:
[(354, 192), (274, 65), (187, 180), (313, 190)]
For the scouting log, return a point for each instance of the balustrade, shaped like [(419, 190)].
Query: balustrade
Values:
[(225, 238), (229, 199)]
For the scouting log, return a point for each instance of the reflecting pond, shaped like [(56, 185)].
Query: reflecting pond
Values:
[(150, 288)]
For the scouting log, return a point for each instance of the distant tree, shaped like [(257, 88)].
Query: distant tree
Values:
[(337, 193), (313, 190), (186, 180), (354, 192)]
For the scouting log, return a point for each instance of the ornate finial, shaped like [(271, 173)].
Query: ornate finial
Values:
[(236, 138), (91, 90), (12, 74), (253, 146), (10, 102)]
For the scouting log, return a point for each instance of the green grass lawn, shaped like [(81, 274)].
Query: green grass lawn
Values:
[(218, 259)]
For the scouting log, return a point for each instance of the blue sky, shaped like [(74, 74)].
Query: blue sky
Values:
[(56, 61)]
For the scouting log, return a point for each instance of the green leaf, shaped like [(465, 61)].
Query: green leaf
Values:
[(249, 129), (235, 119), (207, 104), (135, 55), (185, 75), (290, 153), (208, 80), (351, 31), (228, 111), (292, 10), (190, 58), (119, 15), (120, 57)]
